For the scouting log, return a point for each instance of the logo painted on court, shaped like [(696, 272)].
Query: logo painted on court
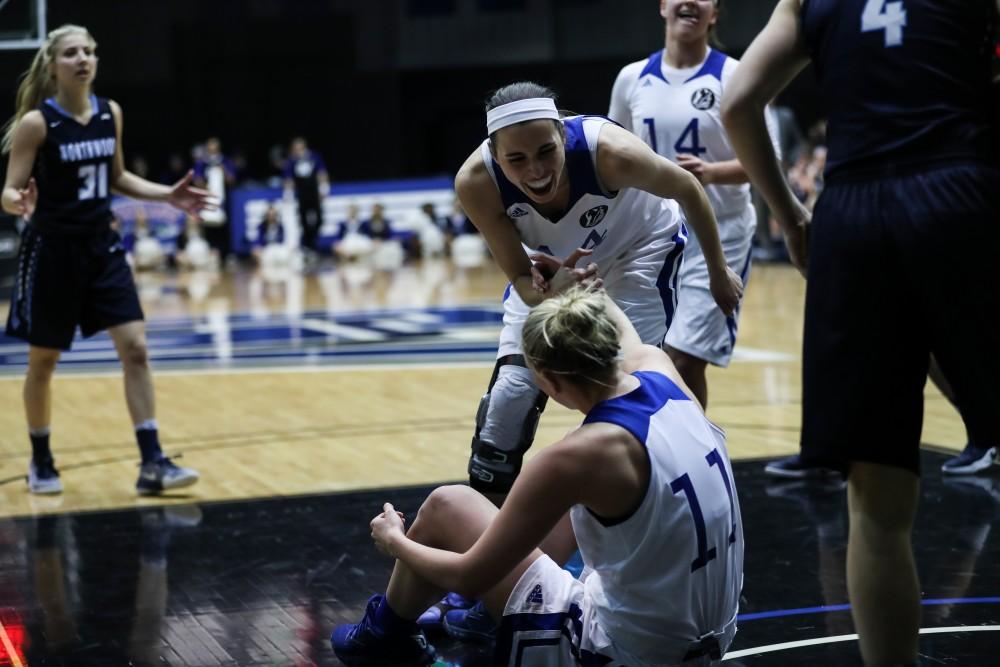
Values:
[(594, 216), (703, 99)]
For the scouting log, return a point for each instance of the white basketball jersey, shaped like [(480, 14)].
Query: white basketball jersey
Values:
[(636, 237), (617, 226), (678, 111), (672, 572)]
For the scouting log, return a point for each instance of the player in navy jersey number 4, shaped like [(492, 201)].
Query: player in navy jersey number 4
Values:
[(65, 160), (899, 257), (643, 487)]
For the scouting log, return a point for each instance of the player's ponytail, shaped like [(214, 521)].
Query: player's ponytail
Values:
[(38, 82), (572, 335)]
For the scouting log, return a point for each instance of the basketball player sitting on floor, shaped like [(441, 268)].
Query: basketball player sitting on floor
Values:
[(647, 486)]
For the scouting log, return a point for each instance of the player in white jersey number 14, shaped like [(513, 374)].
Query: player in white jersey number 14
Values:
[(671, 100)]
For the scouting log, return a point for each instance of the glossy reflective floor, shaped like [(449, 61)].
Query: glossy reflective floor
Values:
[(308, 400), (263, 582)]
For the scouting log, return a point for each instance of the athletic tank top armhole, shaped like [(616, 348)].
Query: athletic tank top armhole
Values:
[(592, 136), (632, 412), (611, 522)]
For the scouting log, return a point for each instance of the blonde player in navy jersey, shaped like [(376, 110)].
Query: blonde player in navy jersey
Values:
[(672, 100), (65, 160), (645, 483)]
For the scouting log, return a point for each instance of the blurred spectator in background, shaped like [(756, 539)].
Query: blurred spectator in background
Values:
[(193, 251), (307, 180), (458, 222), (269, 249), (352, 242), (388, 250), (430, 235), (217, 174), (377, 227), (144, 250)]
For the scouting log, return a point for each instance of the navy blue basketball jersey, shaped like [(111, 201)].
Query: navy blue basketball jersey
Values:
[(906, 82), (73, 170)]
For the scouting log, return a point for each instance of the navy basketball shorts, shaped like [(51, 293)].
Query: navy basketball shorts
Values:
[(67, 281), (900, 267)]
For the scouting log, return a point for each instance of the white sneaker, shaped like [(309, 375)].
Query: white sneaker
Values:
[(163, 475), (970, 461), (44, 479)]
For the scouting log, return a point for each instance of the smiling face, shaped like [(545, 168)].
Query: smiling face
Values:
[(532, 155), (74, 61), (689, 19)]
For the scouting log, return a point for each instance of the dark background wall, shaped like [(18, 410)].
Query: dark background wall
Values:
[(384, 88)]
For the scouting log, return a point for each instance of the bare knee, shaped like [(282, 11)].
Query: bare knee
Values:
[(41, 365), (446, 508), (134, 353), (444, 503), (882, 500)]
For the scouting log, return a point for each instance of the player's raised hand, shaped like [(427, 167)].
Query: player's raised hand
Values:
[(190, 199)]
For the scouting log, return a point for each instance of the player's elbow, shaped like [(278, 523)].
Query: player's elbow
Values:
[(689, 193), (739, 103)]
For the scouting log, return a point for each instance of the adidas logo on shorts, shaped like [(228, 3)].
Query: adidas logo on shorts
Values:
[(535, 596)]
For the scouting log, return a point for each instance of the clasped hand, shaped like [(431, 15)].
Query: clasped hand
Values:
[(386, 527), (551, 275)]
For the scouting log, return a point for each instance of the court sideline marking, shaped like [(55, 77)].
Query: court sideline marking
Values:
[(15, 661), (732, 655)]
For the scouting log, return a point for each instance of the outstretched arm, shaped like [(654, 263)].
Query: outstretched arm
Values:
[(625, 161), (774, 58), (181, 194)]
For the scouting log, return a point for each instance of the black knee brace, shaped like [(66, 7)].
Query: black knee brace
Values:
[(493, 467)]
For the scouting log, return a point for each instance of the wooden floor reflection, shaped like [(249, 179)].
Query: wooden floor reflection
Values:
[(278, 430)]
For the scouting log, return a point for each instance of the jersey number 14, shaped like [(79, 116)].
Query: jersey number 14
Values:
[(686, 144)]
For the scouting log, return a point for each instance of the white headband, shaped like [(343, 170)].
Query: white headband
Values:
[(519, 112)]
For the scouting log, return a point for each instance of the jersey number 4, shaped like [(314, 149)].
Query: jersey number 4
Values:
[(683, 485), (95, 181), (888, 16)]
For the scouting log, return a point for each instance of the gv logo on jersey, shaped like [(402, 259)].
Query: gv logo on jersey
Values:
[(516, 212), (703, 99), (593, 217)]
